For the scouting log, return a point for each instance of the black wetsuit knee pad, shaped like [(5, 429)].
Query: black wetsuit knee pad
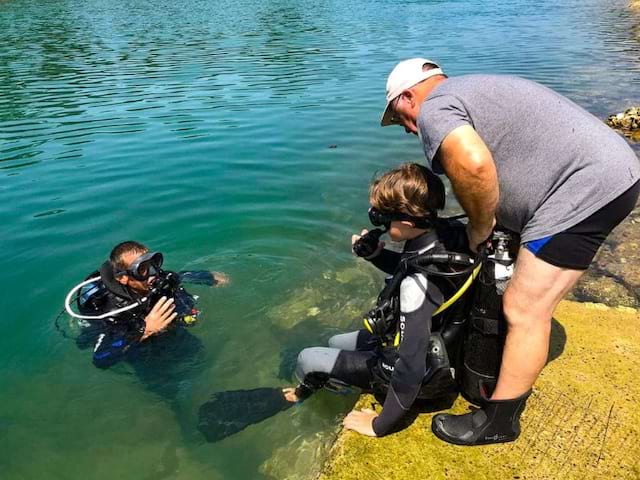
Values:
[(354, 368)]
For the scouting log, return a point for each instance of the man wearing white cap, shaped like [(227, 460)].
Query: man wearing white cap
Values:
[(526, 157)]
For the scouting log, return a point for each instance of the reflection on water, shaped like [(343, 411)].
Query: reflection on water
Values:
[(203, 129)]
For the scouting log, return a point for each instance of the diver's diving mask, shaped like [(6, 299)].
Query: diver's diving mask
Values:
[(145, 266), (378, 218)]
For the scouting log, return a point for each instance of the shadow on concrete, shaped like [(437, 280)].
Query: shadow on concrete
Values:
[(557, 341)]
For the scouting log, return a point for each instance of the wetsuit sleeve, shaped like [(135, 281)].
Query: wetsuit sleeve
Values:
[(387, 261), (419, 299), (198, 277), (112, 344)]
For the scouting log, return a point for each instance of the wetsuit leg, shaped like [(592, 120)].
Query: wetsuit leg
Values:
[(359, 340), (317, 365)]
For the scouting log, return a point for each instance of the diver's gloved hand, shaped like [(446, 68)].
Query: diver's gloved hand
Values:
[(367, 245)]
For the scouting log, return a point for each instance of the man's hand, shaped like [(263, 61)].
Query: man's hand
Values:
[(159, 318), (220, 279), (361, 421), (476, 238)]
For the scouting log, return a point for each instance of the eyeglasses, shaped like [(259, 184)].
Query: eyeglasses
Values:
[(394, 105)]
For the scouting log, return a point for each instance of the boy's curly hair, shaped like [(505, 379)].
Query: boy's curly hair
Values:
[(411, 189)]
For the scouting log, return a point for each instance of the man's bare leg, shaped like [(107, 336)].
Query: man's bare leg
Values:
[(529, 302), (533, 293)]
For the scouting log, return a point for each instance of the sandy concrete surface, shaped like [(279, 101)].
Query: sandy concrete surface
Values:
[(582, 421)]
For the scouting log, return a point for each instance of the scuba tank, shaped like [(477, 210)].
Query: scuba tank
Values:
[(486, 326)]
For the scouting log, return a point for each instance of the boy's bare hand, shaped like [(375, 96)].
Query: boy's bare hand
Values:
[(361, 421), (220, 279), (159, 318), (290, 394), (355, 238)]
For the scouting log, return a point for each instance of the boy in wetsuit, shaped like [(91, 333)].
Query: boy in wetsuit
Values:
[(409, 197)]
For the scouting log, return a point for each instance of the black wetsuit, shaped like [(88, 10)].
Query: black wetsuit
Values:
[(115, 337), (357, 359)]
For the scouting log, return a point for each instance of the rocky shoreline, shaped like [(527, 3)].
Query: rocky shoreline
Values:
[(627, 123), (614, 276)]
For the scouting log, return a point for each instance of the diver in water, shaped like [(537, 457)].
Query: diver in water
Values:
[(131, 302), (396, 354)]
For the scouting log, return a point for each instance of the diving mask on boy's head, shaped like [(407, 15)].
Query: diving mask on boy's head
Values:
[(145, 266), (378, 219)]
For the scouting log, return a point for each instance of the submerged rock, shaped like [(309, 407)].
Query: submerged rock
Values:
[(300, 460), (333, 299)]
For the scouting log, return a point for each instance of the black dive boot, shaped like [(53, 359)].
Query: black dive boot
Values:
[(498, 421)]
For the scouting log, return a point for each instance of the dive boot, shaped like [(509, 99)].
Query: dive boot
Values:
[(498, 421)]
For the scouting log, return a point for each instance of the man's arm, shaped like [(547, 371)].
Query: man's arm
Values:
[(469, 165), (204, 277)]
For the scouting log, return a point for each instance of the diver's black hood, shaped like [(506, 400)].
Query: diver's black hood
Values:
[(115, 287)]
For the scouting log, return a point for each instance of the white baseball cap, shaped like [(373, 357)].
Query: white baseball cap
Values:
[(405, 75)]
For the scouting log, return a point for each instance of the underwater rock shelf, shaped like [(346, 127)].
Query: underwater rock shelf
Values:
[(582, 420)]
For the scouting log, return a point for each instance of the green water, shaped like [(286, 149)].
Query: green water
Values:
[(203, 128)]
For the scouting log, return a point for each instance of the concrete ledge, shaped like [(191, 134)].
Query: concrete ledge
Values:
[(582, 421)]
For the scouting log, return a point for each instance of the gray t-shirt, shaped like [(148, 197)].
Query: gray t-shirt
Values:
[(557, 164)]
